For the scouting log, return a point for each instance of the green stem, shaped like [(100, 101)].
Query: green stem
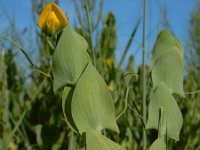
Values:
[(15, 124), (16, 127), (125, 105), (25, 54), (90, 32), (72, 140), (144, 75), (128, 44), (16, 45), (193, 92), (137, 112)]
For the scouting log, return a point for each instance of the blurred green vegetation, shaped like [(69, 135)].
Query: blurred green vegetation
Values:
[(31, 114)]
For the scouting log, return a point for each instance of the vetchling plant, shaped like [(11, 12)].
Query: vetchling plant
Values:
[(87, 104), (167, 77)]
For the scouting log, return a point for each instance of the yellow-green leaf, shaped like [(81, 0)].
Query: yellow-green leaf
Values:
[(169, 68), (70, 58), (172, 120), (96, 141), (92, 104), (158, 144), (164, 42)]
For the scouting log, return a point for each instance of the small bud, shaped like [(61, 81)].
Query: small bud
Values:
[(52, 19), (109, 62)]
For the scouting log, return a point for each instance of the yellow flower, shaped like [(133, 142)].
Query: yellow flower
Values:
[(109, 62), (52, 19)]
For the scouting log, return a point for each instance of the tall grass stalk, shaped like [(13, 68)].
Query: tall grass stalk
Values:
[(90, 32), (144, 74), (128, 43)]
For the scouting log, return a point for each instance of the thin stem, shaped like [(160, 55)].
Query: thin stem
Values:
[(138, 112), (125, 105), (25, 54), (126, 96), (16, 45), (72, 140), (14, 122), (135, 111), (128, 44), (139, 44), (144, 75), (45, 74), (193, 92), (90, 32), (16, 126)]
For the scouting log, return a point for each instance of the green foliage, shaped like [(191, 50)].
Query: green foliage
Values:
[(31, 116), (167, 77), (108, 36), (171, 117), (167, 63), (97, 141), (70, 58), (89, 103), (195, 30), (158, 144), (92, 104)]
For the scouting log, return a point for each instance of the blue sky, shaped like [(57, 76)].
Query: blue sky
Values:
[(127, 12)]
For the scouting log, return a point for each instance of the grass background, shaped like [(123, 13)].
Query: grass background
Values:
[(30, 112)]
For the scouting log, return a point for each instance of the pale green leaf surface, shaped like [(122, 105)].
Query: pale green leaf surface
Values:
[(158, 144), (169, 68), (92, 104), (172, 117), (82, 41), (180, 47), (96, 141), (164, 42), (70, 58), (66, 107)]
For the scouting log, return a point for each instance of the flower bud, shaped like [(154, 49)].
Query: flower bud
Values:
[(52, 19)]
